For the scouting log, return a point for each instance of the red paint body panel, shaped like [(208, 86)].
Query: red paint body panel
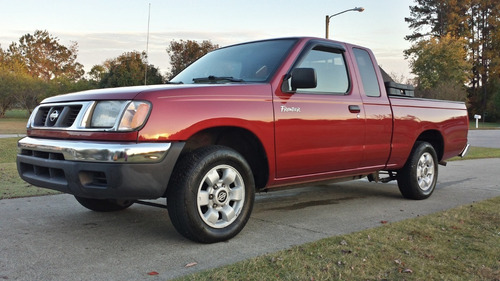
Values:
[(322, 140), (378, 117), (179, 114), (414, 116), (122, 93)]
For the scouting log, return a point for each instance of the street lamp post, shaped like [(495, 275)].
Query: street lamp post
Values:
[(327, 23)]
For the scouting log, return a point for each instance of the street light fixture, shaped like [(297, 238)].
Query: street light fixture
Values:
[(327, 30)]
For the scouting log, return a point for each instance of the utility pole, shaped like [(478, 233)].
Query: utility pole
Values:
[(147, 48)]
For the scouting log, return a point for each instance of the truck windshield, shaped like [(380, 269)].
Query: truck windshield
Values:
[(249, 62)]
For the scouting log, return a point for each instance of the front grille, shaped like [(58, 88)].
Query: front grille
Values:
[(43, 173), (43, 154), (60, 116), (47, 169), (72, 114)]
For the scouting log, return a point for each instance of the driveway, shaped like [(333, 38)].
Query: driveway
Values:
[(6, 136), (53, 238)]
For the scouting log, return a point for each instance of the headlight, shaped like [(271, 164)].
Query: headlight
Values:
[(106, 113), (119, 115)]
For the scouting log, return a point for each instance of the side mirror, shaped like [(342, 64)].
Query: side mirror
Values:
[(304, 78)]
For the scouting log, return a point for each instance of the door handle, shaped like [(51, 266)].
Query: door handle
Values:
[(354, 109)]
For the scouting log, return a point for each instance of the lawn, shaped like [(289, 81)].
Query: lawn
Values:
[(457, 244), (479, 153), (484, 125), (14, 122), (11, 185)]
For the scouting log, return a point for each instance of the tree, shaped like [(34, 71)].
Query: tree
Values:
[(437, 60), (183, 53), (45, 58), (6, 95), (96, 73), (29, 91), (444, 90), (12, 76), (63, 86), (126, 70), (21, 90), (476, 21), (5, 98), (437, 18), (441, 67)]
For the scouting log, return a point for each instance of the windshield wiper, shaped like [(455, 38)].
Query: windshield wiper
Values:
[(168, 82), (215, 79)]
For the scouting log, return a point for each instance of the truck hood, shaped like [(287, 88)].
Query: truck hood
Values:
[(130, 93), (122, 93)]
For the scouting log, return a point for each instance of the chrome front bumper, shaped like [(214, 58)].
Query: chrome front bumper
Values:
[(104, 152), (101, 170)]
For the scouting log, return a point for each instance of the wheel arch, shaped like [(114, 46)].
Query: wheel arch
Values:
[(435, 138), (241, 140)]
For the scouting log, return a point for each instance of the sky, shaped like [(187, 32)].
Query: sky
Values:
[(105, 29)]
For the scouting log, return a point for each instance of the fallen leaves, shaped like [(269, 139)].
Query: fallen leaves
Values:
[(407, 270), (191, 264), (402, 268)]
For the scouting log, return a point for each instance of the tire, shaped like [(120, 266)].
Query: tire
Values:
[(417, 179), (104, 205), (211, 194)]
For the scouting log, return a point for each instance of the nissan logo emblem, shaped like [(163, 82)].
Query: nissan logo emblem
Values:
[(54, 115), (222, 196)]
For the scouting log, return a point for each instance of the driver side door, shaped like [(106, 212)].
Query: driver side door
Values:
[(319, 130)]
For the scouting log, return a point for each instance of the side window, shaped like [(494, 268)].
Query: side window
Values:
[(331, 71), (367, 72)]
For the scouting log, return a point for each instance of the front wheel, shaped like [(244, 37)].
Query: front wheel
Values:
[(417, 179), (211, 194), (104, 205)]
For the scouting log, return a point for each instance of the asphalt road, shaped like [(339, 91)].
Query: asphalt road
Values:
[(54, 238), (484, 138)]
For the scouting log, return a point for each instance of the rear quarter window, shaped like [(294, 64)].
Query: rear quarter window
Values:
[(367, 72)]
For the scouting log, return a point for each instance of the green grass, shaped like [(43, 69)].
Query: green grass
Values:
[(14, 122), (484, 125), (17, 113), (8, 150), (13, 126), (11, 185), (458, 244), (479, 153)]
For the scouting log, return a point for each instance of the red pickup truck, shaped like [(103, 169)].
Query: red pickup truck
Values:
[(241, 119)]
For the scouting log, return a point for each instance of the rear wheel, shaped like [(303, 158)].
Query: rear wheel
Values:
[(211, 195), (417, 179), (104, 205)]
